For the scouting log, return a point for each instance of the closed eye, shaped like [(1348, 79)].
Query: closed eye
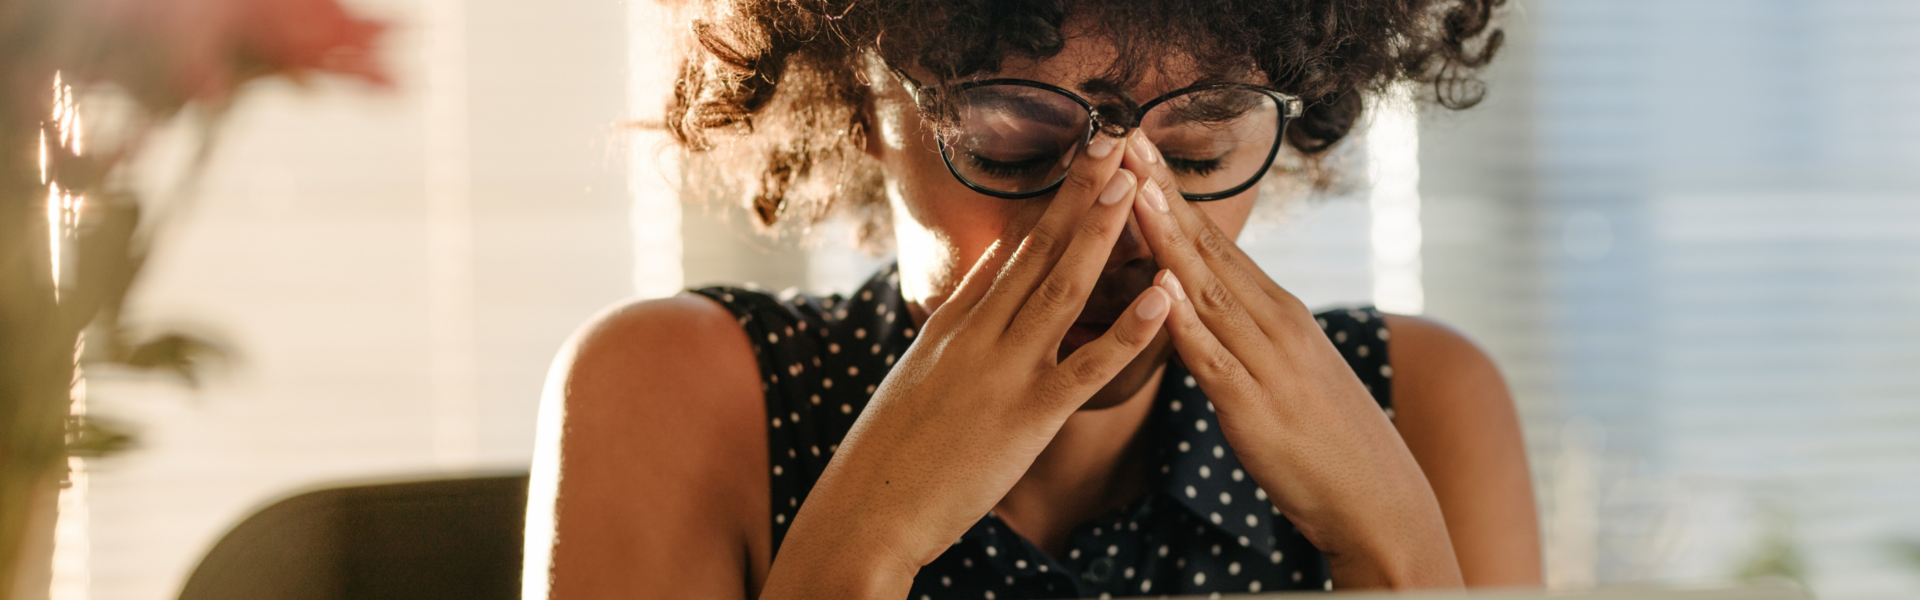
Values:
[(1011, 168), (1196, 166)]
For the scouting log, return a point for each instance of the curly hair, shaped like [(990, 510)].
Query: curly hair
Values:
[(776, 91)]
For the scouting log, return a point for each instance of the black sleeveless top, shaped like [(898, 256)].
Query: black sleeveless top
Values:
[(1203, 526)]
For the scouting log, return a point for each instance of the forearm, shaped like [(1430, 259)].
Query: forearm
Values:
[(888, 504), (1362, 499), (1399, 541), (851, 539), (845, 568), (1389, 533)]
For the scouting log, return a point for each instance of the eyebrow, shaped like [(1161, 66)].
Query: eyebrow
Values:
[(1211, 109), (1028, 108), (1106, 87)]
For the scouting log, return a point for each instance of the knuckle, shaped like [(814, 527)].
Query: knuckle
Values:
[(1057, 386), (1214, 247), (1083, 179), (1095, 227), (1219, 362), (1130, 335), (1056, 291), (1177, 237), (1214, 296), (1039, 242), (1291, 305), (1189, 326), (1087, 372)]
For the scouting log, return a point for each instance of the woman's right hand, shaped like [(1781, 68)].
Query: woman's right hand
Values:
[(974, 401)]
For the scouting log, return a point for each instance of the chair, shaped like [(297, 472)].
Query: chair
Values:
[(420, 540)]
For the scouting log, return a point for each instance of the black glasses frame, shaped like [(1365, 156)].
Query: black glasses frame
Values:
[(1290, 105)]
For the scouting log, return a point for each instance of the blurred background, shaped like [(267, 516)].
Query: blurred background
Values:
[(1689, 232)]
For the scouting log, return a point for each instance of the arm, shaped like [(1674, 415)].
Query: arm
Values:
[(1453, 410), (980, 394), (649, 471), (1298, 417)]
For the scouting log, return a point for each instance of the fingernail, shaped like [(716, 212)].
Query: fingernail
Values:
[(1117, 188), (1154, 198), (1152, 306), (1102, 145), (1145, 149), (1172, 283)]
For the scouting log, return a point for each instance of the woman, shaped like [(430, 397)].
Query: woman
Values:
[(1071, 383)]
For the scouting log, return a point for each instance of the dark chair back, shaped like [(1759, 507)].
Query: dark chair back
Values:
[(421, 540)]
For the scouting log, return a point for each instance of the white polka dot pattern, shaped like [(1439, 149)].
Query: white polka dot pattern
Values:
[(1193, 533)]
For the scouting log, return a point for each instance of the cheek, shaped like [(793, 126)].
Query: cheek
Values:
[(941, 228), (1230, 214)]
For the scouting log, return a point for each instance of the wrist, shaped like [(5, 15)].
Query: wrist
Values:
[(1399, 544), (835, 569), (1405, 562), (852, 539)]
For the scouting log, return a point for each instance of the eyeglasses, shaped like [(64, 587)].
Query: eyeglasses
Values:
[(1015, 138)]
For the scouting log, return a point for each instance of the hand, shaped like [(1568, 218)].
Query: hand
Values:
[(1295, 413), (974, 401)]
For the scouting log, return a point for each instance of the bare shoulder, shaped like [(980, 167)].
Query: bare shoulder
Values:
[(684, 337), (1454, 411), (1447, 393), (661, 452), (1430, 357), (681, 361)]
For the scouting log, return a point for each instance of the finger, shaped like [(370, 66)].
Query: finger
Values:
[(1219, 305), (1222, 254), (1259, 276), (1232, 266), (1143, 158), (1059, 299), (978, 280), (1220, 250), (1219, 372), (1054, 232), (1093, 365)]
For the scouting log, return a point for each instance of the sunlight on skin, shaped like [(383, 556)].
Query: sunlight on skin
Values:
[(942, 228)]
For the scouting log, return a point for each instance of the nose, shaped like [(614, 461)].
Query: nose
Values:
[(1129, 248)]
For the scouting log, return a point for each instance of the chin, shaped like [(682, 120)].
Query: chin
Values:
[(1135, 376)]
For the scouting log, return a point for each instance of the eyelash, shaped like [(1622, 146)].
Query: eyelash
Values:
[(997, 168), (1016, 168), (1198, 167)]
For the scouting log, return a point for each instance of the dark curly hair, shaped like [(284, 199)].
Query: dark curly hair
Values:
[(777, 90)]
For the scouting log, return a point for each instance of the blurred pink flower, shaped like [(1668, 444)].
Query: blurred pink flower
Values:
[(168, 52)]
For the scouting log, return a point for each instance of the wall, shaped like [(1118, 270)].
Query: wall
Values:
[(394, 270)]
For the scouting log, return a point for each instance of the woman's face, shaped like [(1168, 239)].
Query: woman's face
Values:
[(942, 227)]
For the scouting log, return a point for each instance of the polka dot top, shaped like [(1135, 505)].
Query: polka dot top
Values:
[(1203, 527)]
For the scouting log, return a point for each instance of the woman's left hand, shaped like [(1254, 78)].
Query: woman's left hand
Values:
[(1296, 415)]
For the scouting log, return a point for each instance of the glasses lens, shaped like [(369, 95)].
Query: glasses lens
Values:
[(1013, 139), (1215, 140)]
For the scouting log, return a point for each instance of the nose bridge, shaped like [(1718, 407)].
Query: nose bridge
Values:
[(1116, 119)]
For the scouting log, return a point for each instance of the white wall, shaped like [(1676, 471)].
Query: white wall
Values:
[(310, 251)]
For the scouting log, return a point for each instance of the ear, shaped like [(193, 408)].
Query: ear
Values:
[(870, 141)]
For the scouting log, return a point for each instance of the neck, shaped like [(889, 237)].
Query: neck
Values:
[(1094, 465)]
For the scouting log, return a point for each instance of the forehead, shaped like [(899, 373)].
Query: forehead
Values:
[(1092, 64)]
